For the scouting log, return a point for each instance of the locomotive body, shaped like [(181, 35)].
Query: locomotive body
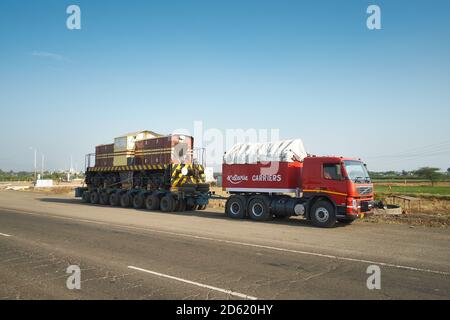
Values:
[(144, 164)]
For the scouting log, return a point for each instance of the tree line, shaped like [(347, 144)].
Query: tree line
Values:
[(29, 176), (427, 173)]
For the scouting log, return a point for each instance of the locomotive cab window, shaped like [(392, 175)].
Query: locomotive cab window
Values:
[(332, 171)]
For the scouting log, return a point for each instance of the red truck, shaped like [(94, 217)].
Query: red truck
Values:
[(259, 178), (146, 170)]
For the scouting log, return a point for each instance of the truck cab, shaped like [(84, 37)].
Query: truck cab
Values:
[(336, 186)]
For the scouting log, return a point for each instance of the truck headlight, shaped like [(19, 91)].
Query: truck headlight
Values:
[(184, 171)]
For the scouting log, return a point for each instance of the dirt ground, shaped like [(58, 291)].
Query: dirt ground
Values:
[(411, 219)]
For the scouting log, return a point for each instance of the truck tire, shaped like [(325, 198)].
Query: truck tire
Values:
[(114, 199), (104, 198), (167, 204), (152, 202), (95, 198), (138, 201), (86, 197), (235, 207), (323, 214), (125, 200), (259, 210)]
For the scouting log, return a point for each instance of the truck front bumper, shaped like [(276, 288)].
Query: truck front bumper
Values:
[(357, 208)]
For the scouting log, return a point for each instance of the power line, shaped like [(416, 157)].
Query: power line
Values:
[(442, 147)]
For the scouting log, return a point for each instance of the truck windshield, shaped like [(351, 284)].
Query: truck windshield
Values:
[(356, 171)]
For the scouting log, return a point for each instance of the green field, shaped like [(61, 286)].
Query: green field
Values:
[(437, 190)]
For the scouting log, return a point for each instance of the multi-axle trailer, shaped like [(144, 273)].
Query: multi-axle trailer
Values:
[(150, 187), (263, 180)]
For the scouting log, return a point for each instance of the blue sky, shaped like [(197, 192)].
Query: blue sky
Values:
[(310, 68)]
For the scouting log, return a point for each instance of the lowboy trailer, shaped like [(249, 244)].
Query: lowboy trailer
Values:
[(146, 170)]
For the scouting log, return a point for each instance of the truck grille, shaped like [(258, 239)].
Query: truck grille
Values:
[(364, 190)]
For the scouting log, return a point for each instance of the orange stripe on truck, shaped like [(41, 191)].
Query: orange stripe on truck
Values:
[(325, 191)]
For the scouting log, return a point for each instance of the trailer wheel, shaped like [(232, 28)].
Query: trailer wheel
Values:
[(138, 201), (323, 214), (258, 209), (125, 200), (114, 199), (235, 207), (180, 205), (152, 202), (104, 198), (167, 203), (190, 205), (94, 197), (86, 197)]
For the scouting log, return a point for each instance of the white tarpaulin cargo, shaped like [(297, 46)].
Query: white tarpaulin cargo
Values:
[(285, 151)]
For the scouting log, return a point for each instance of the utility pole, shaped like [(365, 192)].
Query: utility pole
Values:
[(42, 166), (70, 169), (35, 162)]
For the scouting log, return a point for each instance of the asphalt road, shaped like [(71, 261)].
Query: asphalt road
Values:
[(137, 254)]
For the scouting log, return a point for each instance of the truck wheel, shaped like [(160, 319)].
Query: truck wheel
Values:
[(114, 199), (235, 207), (259, 210), (86, 197), (152, 202), (138, 201), (167, 204), (323, 214), (95, 197), (125, 200)]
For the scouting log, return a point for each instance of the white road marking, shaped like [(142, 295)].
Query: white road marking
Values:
[(5, 235), (385, 264), (229, 292)]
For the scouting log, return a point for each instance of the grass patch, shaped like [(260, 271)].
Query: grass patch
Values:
[(436, 190)]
